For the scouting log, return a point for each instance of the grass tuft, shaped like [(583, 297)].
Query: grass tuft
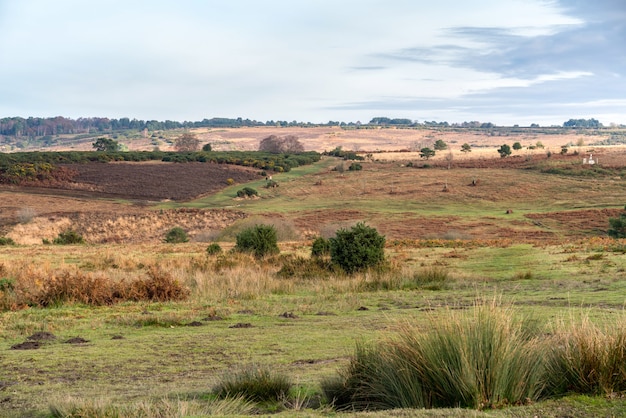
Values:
[(254, 383)]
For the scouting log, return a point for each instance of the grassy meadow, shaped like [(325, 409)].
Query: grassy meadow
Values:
[(152, 329)]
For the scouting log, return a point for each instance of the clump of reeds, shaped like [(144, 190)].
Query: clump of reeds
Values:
[(487, 359), (254, 383)]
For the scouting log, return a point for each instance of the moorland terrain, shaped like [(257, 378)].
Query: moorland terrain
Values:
[(529, 230)]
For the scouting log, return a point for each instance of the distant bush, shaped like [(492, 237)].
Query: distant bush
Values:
[(259, 240), (247, 192), (617, 226), (357, 248), (6, 241), (68, 237), (355, 167), (176, 235), (258, 384), (214, 249)]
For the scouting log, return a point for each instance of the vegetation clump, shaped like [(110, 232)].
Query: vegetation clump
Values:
[(357, 248), (247, 192), (69, 237), (213, 249), (260, 240), (6, 241), (617, 226), (176, 235), (320, 247), (254, 383)]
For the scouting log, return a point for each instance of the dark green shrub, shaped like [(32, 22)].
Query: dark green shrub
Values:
[(6, 241), (69, 237), (254, 383), (355, 167), (176, 235), (247, 192), (357, 248), (617, 226), (261, 240), (320, 247), (214, 249)]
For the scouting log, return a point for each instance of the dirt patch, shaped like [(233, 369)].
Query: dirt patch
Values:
[(76, 340), (42, 336), (241, 325), (26, 345)]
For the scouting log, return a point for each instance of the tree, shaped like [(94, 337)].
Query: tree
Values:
[(427, 153), (260, 240), (517, 146), (281, 145), (440, 145), (187, 142), (617, 226), (357, 248), (504, 151), (206, 147), (106, 145), (466, 148)]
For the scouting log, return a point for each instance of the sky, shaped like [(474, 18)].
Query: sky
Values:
[(502, 61)]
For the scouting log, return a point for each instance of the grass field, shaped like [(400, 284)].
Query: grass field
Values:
[(548, 259)]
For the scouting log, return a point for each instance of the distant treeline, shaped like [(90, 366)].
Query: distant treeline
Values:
[(41, 127), (19, 166)]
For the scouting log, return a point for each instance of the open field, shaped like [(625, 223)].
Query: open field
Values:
[(527, 230)]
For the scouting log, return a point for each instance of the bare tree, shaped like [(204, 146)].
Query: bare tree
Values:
[(278, 145), (187, 142)]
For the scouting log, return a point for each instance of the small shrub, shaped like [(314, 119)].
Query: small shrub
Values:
[(69, 237), (214, 249), (320, 247), (254, 383), (247, 192), (358, 248), (6, 241), (230, 181), (355, 167), (261, 240), (176, 235)]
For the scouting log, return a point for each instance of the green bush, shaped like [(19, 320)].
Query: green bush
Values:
[(254, 383), (247, 192), (617, 226), (6, 241), (176, 235), (355, 167), (357, 248), (214, 249), (68, 237), (320, 247), (261, 240)]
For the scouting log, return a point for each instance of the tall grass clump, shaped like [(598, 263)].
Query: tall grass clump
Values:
[(254, 383), (486, 359), (591, 357)]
